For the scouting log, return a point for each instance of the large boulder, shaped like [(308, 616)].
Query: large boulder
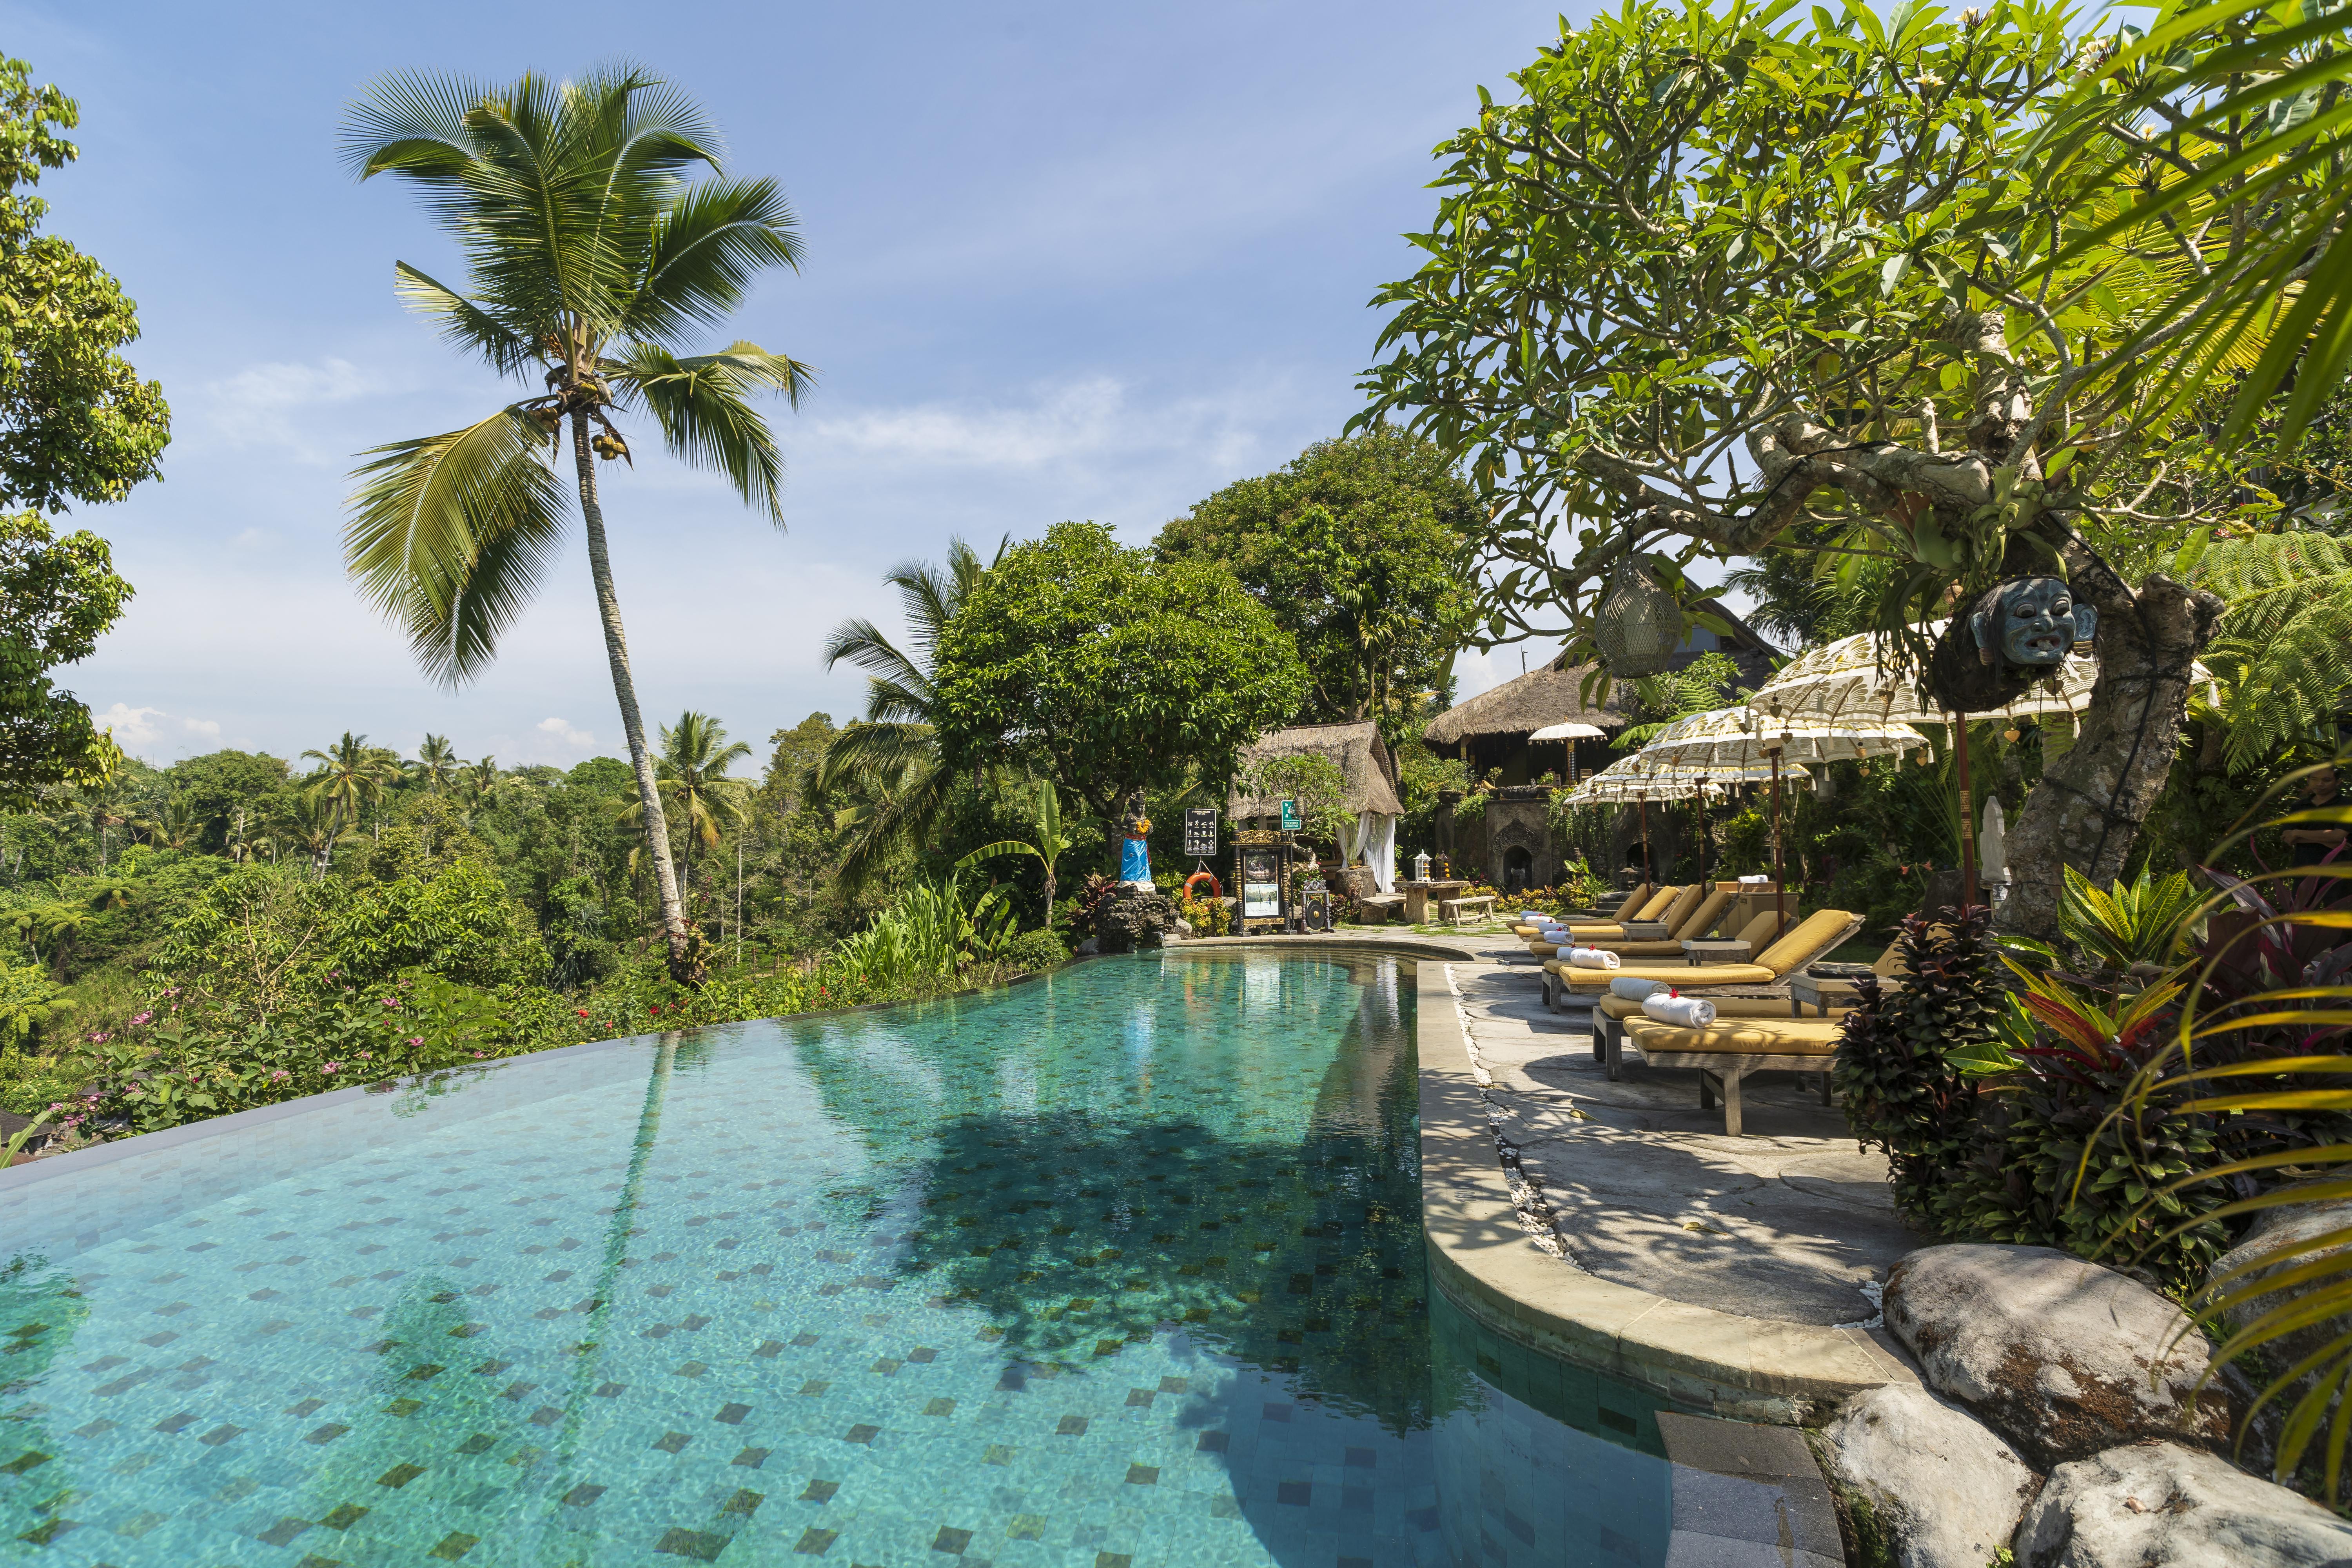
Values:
[(2062, 1357), (2260, 1254), (1937, 1487), (2160, 1505)]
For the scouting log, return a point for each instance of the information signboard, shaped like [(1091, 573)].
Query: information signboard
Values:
[(1199, 832), (1291, 822)]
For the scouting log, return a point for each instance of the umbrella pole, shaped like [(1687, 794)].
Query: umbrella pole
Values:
[(1780, 884), (1968, 822), (1642, 803)]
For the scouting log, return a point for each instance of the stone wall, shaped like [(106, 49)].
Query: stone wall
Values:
[(1521, 849)]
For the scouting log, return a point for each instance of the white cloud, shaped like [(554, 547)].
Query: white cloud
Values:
[(149, 732), (1077, 420), (262, 406), (561, 730)]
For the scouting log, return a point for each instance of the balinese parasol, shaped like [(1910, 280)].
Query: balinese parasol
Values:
[(1742, 737), (1853, 678), (1569, 733)]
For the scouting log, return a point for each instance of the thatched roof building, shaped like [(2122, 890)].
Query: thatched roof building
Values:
[(1524, 705), (1490, 730), (1357, 748)]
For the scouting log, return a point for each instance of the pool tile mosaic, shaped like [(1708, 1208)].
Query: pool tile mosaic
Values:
[(1123, 1267)]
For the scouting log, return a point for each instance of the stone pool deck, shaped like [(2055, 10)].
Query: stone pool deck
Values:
[(1736, 1275)]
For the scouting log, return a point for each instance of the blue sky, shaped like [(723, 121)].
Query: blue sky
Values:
[(1063, 261)]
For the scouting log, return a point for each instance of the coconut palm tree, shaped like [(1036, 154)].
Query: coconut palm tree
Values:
[(312, 823), (894, 751), (589, 250), (692, 769), (350, 774), (437, 762)]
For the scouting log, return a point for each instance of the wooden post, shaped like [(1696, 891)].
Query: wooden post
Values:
[(1968, 816), (1779, 883)]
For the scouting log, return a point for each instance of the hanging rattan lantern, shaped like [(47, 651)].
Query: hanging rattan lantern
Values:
[(1637, 625)]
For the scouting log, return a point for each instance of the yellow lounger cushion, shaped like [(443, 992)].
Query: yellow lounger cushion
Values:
[(1808, 941), (1703, 919), (1660, 902), (1633, 900), (1741, 1037), (1725, 1008), (1675, 973)]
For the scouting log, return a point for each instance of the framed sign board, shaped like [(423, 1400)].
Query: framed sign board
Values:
[(1200, 832), (1291, 822), (1261, 875)]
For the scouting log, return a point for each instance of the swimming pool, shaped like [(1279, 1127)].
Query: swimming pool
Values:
[(1119, 1267)]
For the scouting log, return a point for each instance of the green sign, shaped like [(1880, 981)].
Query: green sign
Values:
[(1290, 822)]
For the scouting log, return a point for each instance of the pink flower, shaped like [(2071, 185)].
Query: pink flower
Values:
[(415, 1039), (332, 1067), (280, 1076), (141, 1018), (390, 1005)]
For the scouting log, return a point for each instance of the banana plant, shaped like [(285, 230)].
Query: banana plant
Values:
[(1050, 845)]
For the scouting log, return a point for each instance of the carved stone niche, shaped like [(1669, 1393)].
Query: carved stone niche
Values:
[(1520, 852)]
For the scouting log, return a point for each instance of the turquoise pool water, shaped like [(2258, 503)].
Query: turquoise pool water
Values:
[(1118, 1269)]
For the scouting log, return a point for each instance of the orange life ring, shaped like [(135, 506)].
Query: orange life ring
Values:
[(1216, 888)]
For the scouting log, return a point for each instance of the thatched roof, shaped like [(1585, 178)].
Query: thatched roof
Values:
[(1357, 748), (1522, 706), (1553, 695)]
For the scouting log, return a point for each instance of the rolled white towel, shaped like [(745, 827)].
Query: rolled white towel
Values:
[(1534, 917), (1634, 990), (1751, 882), (1591, 958), (1690, 1011)]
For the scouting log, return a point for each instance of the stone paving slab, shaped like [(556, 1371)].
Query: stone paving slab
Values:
[(1791, 1222), (1487, 1255)]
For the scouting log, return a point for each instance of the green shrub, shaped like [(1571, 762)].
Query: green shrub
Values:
[(1034, 949), (1902, 1059), (177, 1066)]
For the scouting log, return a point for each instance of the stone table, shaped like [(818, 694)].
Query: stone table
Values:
[(1420, 896)]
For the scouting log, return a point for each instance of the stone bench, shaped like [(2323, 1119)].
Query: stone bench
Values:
[(1452, 911), (1379, 909)]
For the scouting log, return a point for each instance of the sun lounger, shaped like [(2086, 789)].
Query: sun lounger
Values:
[(1730, 1048), (1654, 909), (1625, 911), (1810, 939), (1698, 918), (1666, 907)]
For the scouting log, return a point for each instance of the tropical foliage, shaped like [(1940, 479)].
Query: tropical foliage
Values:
[(1109, 671), (894, 752), (1360, 547)]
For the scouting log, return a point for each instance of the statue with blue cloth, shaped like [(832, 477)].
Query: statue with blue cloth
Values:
[(1135, 852)]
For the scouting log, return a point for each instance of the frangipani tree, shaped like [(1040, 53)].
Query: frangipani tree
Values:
[(1718, 284), (592, 248)]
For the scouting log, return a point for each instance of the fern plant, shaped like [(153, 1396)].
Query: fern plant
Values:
[(2284, 654)]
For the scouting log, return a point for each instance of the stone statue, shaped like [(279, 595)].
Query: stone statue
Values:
[(1135, 853), (2016, 632)]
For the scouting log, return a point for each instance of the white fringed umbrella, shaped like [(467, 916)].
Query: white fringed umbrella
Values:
[(1742, 737), (1853, 679)]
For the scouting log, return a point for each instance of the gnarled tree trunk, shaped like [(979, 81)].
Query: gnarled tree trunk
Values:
[(2087, 810)]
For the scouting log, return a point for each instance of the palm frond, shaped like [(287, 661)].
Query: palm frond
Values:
[(863, 644), (908, 817), (706, 248), (702, 404), (463, 323), (413, 124), (450, 535)]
